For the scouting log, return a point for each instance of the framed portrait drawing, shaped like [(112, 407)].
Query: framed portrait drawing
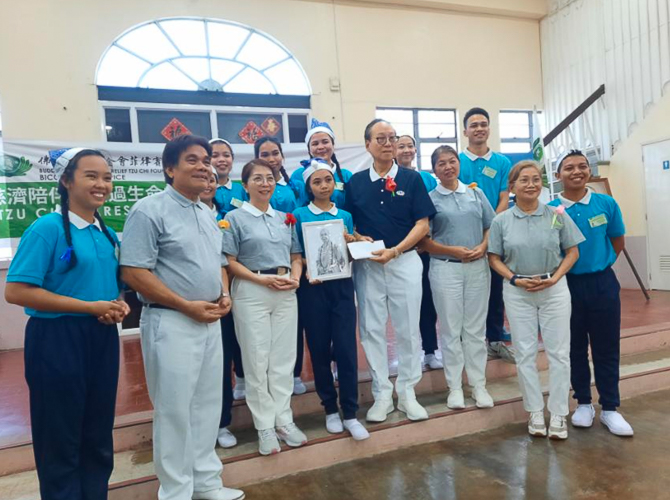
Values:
[(600, 185), (325, 250)]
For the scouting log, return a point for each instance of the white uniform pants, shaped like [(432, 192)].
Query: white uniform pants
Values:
[(550, 309), (265, 324), (392, 289), (183, 363), (461, 297)]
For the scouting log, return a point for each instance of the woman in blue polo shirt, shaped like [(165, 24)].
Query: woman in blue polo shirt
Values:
[(229, 194), (596, 306), (320, 142), (328, 312), (65, 274)]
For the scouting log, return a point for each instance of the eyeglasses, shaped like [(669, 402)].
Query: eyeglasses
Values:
[(381, 140), (259, 181)]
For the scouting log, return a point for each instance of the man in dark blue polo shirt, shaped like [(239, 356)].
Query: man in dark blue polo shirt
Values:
[(390, 204), (490, 170)]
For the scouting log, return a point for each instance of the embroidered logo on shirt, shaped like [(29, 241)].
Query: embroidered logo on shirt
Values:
[(236, 203), (400, 193), (489, 172), (598, 220)]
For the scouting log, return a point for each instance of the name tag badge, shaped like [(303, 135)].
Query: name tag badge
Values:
[(236, 203), (489, 172), (339, 186), (598, 220)]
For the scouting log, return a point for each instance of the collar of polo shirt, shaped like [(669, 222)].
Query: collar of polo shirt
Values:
[(78, 222), (181, 199), (474, 157), (374, 176), (256, 212), (229, 184), (317, 211), (584, 201), (281, 181), (462, 188), (521, 214)]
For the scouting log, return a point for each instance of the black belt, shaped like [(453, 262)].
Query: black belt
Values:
[(159, 306), (279, 271)]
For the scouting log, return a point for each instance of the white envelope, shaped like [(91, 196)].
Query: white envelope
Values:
[(363, 249)]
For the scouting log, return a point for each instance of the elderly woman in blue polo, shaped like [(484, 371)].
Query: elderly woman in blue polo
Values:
[(533, 246)]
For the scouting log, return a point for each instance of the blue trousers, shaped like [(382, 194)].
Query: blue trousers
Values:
[(329, 316), (595, 320), (495, 318), (72, 371), (232, 356), (428, 319)]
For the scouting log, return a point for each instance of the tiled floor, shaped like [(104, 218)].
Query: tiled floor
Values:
[(133, 398)]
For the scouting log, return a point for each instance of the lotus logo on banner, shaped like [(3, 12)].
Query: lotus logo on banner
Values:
[(13, 166)]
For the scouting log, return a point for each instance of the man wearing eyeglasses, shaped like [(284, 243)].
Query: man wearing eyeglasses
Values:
[(390, 204)]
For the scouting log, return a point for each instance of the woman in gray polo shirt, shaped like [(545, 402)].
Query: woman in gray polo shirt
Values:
[(265, 260), (460, 277), (532, 246)]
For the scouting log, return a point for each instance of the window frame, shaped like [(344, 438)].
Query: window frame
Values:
[(518, 140), (415, 127)]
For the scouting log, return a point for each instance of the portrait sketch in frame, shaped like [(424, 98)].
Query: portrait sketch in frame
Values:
[(325, 250), (600, 185)]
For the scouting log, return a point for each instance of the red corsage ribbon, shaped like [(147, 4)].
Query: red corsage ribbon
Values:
[(290, 220), (390, 185)]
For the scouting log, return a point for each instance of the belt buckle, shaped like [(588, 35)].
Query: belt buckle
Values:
[(281, 271)]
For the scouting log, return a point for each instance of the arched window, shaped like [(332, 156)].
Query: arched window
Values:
[(201, 54)]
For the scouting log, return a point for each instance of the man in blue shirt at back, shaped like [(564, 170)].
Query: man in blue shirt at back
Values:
[(490, 171)]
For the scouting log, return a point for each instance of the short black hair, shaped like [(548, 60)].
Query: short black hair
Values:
[(174, 149), (475, 111), (573, 152), (367, 135)]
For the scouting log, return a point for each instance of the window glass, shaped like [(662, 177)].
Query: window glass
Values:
[(247, 128), (158, 126), (117, 125)]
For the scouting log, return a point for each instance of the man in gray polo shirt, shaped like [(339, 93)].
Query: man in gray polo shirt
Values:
[(173, 257)]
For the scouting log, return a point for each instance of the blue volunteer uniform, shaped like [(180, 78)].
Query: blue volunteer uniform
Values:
[(71, 360), (229, 197), (428, 180), (491, 173), (596, 305), (339, 195), (328, 314), (283, 198)]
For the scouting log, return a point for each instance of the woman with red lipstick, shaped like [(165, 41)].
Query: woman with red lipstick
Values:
[(65, 273), (533, 246)]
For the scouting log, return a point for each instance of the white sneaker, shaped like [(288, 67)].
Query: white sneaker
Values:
[(291, 435), (220, 494), (268, 444), (615, 423), (537, 425), (298, 386), (356, 429), (380, 410), (240, 390), (482, 397), (226, 438), (334, 423), (412, 409), (583, 416), (558, 427), (500, 350), (456, 400), (431, 361)]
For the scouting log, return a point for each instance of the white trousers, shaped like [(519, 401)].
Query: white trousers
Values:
[(392, 289), (265, 325), (461, 297), (550, 310), (183, 363)]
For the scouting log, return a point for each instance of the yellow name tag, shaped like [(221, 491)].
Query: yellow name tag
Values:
[(236, 203), (598, 220), (339, 186), (489, 172)]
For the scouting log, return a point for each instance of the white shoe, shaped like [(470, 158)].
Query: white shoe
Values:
[(558, 427), (291, 435), (615, 423), (240, 390), (456, 400), (431, 361), (583, 416), (356, 429), (500, 350), (226, 438), (220, 494), (412, 409), (482, 397), (536, 424), (380, 410), (268, 444), (334, 423), (298, 386)]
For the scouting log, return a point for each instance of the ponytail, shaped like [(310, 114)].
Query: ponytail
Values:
[(338, 169), (105, 231), (282, 171), (69, 255)]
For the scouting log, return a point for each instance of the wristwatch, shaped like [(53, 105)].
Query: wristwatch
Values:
[(512, 280)]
